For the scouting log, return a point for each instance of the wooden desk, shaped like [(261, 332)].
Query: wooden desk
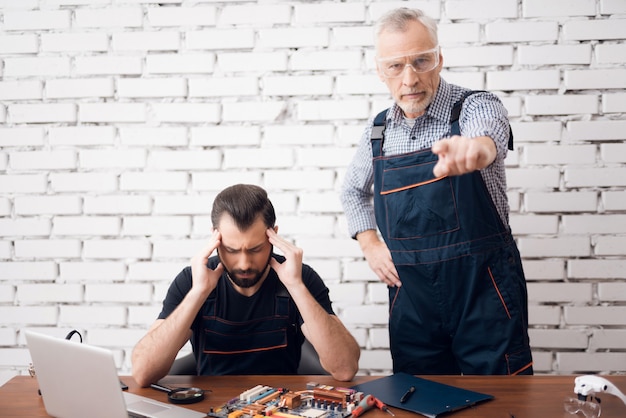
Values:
[(517, 396)]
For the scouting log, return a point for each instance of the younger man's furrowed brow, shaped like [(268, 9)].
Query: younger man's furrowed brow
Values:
[(255, 248)]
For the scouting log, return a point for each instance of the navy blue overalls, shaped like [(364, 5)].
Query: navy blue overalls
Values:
[(269, 345), (462, 306)]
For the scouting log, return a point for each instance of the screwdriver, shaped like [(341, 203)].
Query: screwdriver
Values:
[(380, 405), (368, 403)]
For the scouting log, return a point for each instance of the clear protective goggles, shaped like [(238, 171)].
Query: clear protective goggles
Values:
[(588, 409), (420, 62)]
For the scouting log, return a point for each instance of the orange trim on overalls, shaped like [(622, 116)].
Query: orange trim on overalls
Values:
[(498, 291), (252, 350), (522, 369), (411, 186)]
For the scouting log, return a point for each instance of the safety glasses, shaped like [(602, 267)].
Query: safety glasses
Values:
[(589, 409), (420, 62)]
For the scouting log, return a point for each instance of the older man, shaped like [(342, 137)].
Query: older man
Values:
[(457, 292)]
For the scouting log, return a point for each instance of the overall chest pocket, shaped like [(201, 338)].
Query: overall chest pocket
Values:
[(417, 204), (224, 337)]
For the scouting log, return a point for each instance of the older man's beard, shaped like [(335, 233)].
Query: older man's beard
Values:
[(246, 283), (412, 107)]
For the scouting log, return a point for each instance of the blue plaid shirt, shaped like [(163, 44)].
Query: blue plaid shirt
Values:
[(483, 114)]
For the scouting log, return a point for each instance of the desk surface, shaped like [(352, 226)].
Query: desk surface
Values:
[(515, 396)]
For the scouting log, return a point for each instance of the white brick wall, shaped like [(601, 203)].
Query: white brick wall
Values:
[(120, 121)]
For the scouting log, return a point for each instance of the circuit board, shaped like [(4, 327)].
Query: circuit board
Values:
[(316, 401)]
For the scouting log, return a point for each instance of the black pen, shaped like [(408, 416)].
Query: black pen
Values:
[(407, 394)]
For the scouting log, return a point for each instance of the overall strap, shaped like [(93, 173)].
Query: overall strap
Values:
[(455, 129), (379, 125), (283, 298)]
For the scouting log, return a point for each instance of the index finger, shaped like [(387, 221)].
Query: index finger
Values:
[(440, 146), (273, 237), (277, 240), (213, 243)]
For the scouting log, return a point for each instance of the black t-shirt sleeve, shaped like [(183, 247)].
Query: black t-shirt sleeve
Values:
[(176, 292), (180, 286)]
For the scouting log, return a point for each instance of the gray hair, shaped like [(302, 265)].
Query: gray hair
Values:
[(396, 20)]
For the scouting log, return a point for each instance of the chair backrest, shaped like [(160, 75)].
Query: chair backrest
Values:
[(184, 365), (309, 363)]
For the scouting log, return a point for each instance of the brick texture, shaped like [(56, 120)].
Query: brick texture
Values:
[(121, 120)]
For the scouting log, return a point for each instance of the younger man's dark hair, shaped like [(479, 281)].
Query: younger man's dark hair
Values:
[(244, 203)]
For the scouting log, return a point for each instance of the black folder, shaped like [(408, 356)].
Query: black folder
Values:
[(429, 398)]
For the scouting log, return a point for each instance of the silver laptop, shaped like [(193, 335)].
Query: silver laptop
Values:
[(79, 380)]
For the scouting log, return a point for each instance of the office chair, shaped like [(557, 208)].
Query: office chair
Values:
[(309, 363)]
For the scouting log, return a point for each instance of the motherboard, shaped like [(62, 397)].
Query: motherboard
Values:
[(316, 401)]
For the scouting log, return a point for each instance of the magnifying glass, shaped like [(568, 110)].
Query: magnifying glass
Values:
[(181, 395)]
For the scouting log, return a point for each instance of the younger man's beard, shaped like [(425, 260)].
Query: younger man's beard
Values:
[(246, 283)]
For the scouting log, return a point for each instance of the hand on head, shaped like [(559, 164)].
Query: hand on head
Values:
[(290, 271), (204, 278)]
